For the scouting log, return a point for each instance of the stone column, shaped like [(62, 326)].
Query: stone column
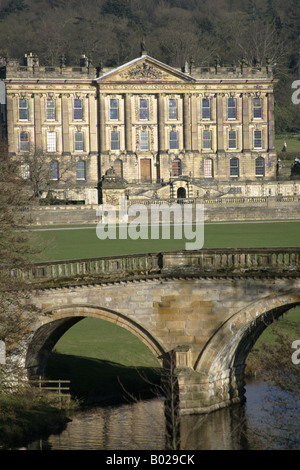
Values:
[(65, 123), (92, 123), (194, 122), (187, 121), (128, 123), (161, 122), (220, 123), (102, 124), (92, 168), (11, 119), (37, 122), (245, 122), (271, 128)]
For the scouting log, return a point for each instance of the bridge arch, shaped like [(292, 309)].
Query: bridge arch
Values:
[(60, 319), (230, 345)]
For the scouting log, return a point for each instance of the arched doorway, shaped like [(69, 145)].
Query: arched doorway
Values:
[(181, 193)]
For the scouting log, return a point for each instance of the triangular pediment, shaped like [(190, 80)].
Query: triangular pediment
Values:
[(145, 69)]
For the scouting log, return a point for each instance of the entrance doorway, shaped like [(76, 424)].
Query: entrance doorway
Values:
[(181, 193), (145, 169)]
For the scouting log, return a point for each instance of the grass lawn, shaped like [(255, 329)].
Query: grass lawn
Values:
[(292, 141), (74, 244)]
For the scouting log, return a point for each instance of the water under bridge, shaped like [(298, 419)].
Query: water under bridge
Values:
[(206, 308)]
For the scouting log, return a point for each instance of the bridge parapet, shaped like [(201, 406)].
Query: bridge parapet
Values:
[(229, 262)]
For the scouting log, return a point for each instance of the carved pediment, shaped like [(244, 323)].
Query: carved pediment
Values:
[(145, 69)]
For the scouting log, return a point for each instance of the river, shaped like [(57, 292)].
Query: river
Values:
[(141, 426)]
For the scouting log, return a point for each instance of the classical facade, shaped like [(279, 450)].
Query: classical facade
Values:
[(157, 130)]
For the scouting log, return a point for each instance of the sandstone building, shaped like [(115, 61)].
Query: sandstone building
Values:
[(165, 132)]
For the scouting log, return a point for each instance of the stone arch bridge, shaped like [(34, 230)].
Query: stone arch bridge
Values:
[(207, 307)]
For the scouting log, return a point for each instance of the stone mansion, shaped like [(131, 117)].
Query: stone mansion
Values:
[(143, 129)]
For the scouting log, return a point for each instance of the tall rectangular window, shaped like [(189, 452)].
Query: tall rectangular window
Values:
[(234, 167), (232, 140), (172, 109), (24, 141), (173, 140), (257, 139), (259, 167), (231, 108), (78, 111), (176, 167), (51, 141), (144, 140), (79, 141), (257, 108), (23, 110), (206, 139), (50, 110), (205, 108), (143, 110), (114, 110), (208, 168), (53, 167), (114, 140), (80, 170)]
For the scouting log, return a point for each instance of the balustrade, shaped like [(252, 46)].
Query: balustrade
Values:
[(239, 261)]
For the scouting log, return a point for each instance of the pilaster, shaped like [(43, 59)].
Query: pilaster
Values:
[(37, 122), (271, 127), (246, 121), (65, 124), (161, 122), (220, 123), (102, 123), (92, 123), (186, 121), (128, 123)]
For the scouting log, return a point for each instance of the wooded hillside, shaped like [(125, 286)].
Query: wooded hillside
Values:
[(109, 32)]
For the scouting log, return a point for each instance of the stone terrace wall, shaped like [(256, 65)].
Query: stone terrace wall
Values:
[(217, 210)]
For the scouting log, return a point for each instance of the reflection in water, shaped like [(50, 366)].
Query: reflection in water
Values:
[(141, 426), (220, 430), (137, 426)]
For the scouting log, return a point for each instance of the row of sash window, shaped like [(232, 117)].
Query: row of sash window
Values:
[(143, 109)]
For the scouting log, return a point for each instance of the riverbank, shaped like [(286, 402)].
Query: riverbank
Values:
[(23, 420)]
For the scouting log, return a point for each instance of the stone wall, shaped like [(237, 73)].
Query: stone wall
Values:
[(229, 209)]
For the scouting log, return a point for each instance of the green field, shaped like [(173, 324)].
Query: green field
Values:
[(83, 243), (292, 141)]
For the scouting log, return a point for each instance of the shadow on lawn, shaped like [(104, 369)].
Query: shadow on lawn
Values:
[(96, 381)]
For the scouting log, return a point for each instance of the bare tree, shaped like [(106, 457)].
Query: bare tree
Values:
[(36, 170), (16, 248)]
